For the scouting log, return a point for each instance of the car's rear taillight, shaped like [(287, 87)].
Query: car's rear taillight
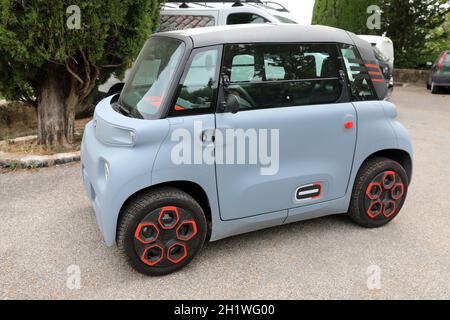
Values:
[(441, 62)]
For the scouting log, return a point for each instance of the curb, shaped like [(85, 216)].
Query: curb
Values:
[(11, 160)]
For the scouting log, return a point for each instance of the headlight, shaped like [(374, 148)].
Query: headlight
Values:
[(114, 135)]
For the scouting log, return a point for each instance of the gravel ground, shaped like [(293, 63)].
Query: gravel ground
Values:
[(47, 226)]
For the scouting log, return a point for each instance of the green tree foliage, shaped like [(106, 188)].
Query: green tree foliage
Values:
[(48, 63), (438, 40), (345, 14), (406, 22)]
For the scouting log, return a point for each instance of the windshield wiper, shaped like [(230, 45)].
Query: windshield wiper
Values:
[(123, 109), (132, 113)]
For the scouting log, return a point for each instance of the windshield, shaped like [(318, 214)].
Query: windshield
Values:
[(146, 90)]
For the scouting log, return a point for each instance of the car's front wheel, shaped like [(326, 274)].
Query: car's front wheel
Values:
[(379, 192), (160, 231)]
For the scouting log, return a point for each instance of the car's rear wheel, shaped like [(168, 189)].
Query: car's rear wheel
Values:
[(379, 192), (429, 84), (161, 231), (434, 88)]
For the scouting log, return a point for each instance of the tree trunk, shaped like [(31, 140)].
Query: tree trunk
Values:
[(56, 108), (71, 102)]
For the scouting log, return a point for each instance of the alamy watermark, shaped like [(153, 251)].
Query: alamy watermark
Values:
[(74, 277), (374, 19), (227, 146), (74, 20), (373, 273)]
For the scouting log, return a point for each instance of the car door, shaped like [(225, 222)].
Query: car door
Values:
[(191, 118), (295, 119)]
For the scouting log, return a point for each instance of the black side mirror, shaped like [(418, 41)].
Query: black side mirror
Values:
[(233, 103), (115, 89)]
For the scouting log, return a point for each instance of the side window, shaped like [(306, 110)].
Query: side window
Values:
[(360, 86), (243, 68), (273, 67), (245, 18), (198, 85), (181, 22), (282, 75)]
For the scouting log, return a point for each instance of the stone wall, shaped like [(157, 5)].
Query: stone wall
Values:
[(419, 77)]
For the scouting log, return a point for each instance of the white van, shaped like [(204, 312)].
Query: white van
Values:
[(189, 14), (180, 15)]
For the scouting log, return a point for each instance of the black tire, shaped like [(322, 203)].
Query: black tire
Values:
[(364, 199), (434, 88), (145, 211), (428, 85)]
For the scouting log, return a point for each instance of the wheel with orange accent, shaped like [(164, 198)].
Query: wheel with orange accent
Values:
[(379, 192), (160, 231)]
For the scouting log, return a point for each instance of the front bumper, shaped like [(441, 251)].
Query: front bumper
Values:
[(99, 190), (129, 165), (129, 170)]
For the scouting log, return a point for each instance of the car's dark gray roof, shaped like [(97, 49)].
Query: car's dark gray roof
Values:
[(260, 33)]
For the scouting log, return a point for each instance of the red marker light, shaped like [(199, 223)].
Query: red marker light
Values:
[(441, 61), (348, 124)]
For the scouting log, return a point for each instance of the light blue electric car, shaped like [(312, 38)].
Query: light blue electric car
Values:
[(225, 130)]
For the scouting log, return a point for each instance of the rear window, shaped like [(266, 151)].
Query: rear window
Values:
[(181, 22), (359, 76)]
